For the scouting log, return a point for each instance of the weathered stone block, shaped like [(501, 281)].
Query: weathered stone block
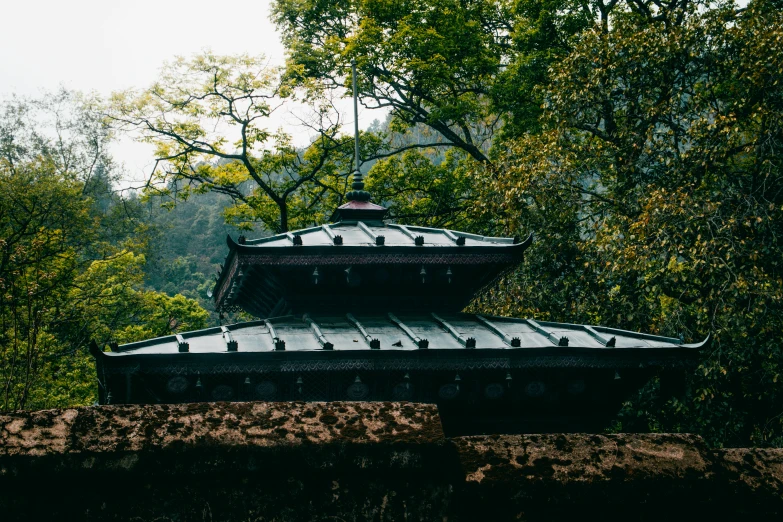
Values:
[(359, 461)]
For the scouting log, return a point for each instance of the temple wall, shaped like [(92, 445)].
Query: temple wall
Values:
[(359, 461)]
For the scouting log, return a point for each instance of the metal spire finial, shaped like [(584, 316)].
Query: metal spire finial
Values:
[(358, 193)]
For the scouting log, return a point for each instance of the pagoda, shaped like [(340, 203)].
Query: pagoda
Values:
[(367, 310)]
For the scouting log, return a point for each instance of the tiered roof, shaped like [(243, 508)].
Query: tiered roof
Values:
[(364, 309)]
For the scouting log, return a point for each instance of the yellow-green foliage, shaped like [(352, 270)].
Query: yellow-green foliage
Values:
[(208, 118), (62, 285)]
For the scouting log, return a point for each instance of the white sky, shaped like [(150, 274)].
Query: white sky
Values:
[(105, 46)]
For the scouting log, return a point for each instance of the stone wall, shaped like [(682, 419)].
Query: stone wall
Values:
[(359, 461)]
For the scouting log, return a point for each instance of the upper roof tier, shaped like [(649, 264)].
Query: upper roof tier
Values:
[(376, 234), (358, 264)]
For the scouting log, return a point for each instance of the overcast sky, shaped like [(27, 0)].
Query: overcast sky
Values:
[(104, 46)]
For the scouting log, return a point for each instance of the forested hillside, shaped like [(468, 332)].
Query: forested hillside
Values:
[(187, 246), (640, 141)]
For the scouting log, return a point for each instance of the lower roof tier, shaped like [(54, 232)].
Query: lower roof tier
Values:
[(426, 337), (487, 374)]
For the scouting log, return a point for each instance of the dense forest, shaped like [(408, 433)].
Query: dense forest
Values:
[(639, 140)]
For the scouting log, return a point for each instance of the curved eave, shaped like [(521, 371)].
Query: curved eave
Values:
[(527, 241), (96, 351), (700, 345), (625, 333)]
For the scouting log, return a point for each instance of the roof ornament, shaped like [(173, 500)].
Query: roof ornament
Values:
[(358, 206), (358, 193)]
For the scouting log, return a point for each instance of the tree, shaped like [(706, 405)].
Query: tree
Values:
[(110, 297), (56, 297), (420, 190), (41, 230), (654, 190), (207, 118), (67, 275), (464, 68), (428, 63)]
